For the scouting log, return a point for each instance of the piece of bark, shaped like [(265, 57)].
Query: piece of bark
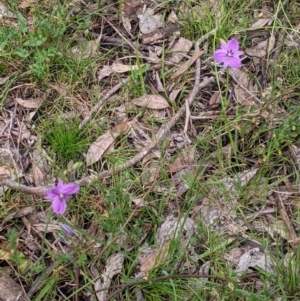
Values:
[(159, 34), (9, 289)]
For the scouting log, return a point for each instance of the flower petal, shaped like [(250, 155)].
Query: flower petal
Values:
[(223, 45), (51, 194), (67, 228), (231, 94), (70, 188), (60, 185), (220, 55), (59, 206), (226, 63), (235, 62), (220, 51), (238, 53), (232, 45)]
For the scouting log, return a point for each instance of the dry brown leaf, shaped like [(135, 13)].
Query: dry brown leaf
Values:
[(173, 226), (240, 179), (254, 258), (182, 47), (3, 80), (20, 213), (215, 99), (179, 182), (262, 22), (159, 86), (4, 12), (85, 49), (39, 168), (123, 127), (155, 259), (132, 8), (262, 48), (79, 105), (9, 289), (121, 68), (151, 101), (184, 67), (173, 95), (151, 172), (8, 163), (149, 21), (185, 159), (5, 172), (100, 146), (61, 88), (113, 267), (29, 103), (244, 82), (172, 18), (293, 38), (104, 142), (126, 23), (26, 3), (104, 72), (116, 67), (138, 203)]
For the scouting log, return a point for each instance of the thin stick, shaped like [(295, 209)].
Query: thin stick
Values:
[(292, 233), (195, 91), (122, 36), (39, 190), (243, 87), (97, 106)]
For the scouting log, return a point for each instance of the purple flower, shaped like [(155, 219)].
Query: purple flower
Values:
[(67, 229), (229, 54), (60, 194), (231, 94)]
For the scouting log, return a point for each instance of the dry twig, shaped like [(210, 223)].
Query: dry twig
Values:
[(98, 105), (196, 88), (291, 231)]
